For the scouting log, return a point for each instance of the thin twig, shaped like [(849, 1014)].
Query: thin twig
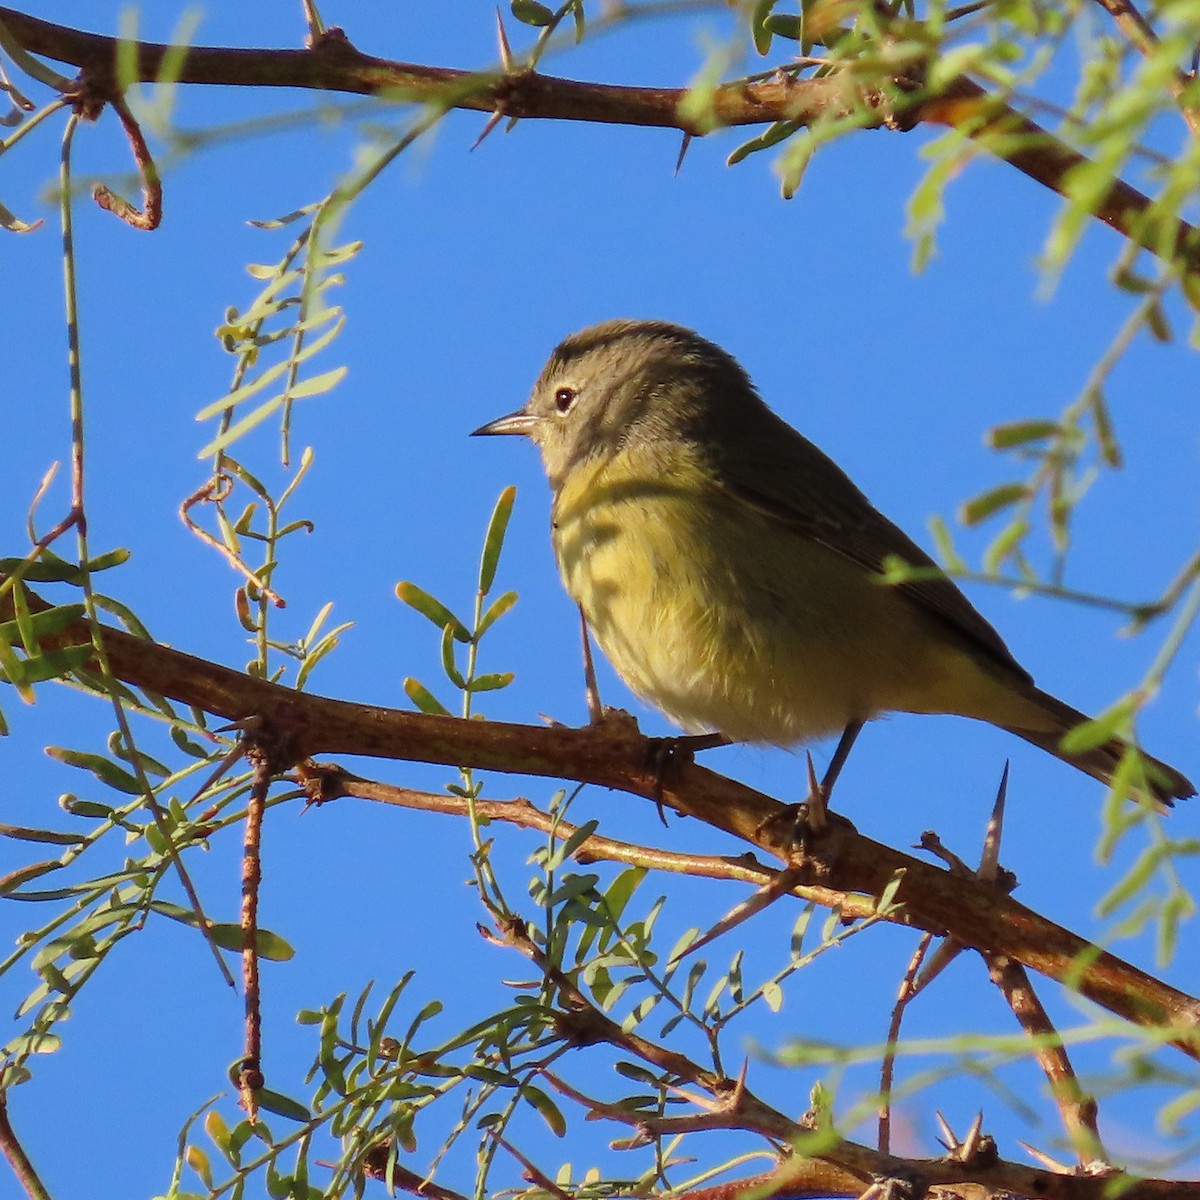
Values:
[(333, 64), (887, 1071), (617, 757), (150, 215), (20, 1162), (98, 631), (1140, 34), (213, 492), (250, 1076)]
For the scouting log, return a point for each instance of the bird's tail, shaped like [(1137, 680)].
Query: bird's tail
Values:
[(1164, 783)]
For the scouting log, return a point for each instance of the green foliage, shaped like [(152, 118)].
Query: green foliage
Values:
[(467, 679), (611, 981)]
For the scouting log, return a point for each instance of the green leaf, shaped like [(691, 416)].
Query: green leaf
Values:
[(546, 1109), (1005, 543), (493, 541), (530, 12), (1109, 724), (24, 834), (424, 699), (13, 880), (49, 568), (105, 770), (198, 1161), (496, 610), (420, 600), (40, 624), (1020, 433), (55, 664), (268, 945), (758, 31), (448, 663), (318, 384), (84, 808), (774, 134), (269, 375), (785, 25), (566, 849), (228, 936), (282, 1105), (490, 682), (988, 503)]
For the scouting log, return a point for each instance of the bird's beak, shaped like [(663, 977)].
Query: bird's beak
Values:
[(519, 422)]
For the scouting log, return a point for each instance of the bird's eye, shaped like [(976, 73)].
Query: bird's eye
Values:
[(564, 398)]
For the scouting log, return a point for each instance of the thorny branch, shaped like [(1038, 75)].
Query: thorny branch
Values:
[(819, 1161), (301, 725), (897, 98)]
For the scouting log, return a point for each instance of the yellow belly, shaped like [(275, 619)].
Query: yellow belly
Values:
[(726, 620)]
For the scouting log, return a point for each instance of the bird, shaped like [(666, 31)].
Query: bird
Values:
[(733, 574)]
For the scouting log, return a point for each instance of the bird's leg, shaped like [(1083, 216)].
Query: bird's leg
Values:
[(595, 708), (838, 761), (810, 819)]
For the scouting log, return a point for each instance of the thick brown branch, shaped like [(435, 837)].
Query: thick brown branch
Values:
[(301, 725), (895, 101), (334, 65), (1078, 1109), (800, 1176)]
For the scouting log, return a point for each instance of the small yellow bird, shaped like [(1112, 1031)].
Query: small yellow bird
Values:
[(730, 571)]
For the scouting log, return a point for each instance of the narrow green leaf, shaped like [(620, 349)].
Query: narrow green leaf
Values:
[(491, 682), (13, 880), (40, 624), (318, 384), (1106, 435), (1005, 543), (546, 1109), (1157, 323), (886, 902), (785, 25), (495, 611), (448, 663), (336, 255), (424, 699), (419, 599), (992, 501), (55, 664), (84, 808), (240, 428), (760, 34), (287, 219), (105, 770), (267, 944), (564, 850), (1020, 433), (281, 1105), (53, 837), (493, 540), (1108, 725), (269, 375)]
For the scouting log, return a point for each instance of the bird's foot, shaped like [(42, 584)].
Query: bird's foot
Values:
[(809, 830)]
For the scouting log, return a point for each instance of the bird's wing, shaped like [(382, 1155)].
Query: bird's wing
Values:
[(782, 475)]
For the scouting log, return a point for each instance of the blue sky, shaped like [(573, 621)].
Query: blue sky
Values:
[(474, 265)]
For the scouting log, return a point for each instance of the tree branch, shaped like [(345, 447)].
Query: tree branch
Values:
[(896, 99), (298, 725)]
